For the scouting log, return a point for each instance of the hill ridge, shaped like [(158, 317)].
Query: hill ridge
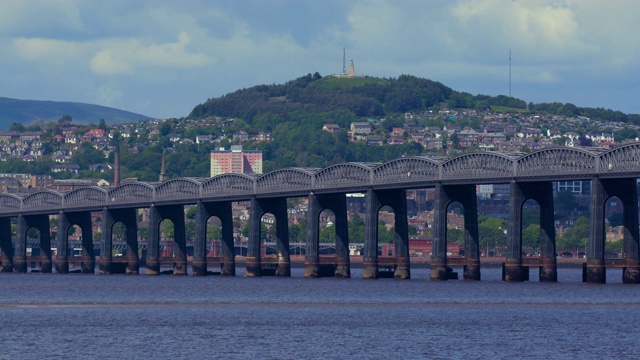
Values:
[(29, 111)]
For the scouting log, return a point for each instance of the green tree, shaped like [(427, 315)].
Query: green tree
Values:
[(455, 236), (531, 236), (87, 155), (492, 232), (575, 237), (214, 232), (356, 229)]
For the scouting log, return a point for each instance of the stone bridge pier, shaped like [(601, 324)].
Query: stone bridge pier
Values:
[(65, 221), (601, 190), (26, 222), (157, 214), (397, 200), (337, 203), (109, 218), (542, 193), (203, 212), (6, 245), (277, 207), (465, 195)]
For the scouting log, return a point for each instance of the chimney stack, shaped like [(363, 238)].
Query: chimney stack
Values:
[(116, 167)]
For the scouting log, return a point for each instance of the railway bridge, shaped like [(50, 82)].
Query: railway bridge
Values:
[(613, 173)]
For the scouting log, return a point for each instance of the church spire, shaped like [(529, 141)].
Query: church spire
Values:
[(163, 171)]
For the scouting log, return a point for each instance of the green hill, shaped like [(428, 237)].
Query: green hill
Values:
[(29, 111)]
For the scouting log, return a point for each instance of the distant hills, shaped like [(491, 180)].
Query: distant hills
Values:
[(30, 111), (264, 106)]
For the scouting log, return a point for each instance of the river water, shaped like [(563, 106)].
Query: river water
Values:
[(119, 316)]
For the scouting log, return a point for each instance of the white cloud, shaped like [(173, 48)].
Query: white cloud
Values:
[(123, 56), (126, 54)]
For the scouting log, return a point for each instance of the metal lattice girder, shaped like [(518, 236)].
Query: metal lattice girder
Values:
[(622, 160), (285, 180), (407, 170), (483, 165), (558, 161), (42, 199), (134, 192), (10, 203), (551, 164), (345, 175), (86, 196), (229, 185), (183, 188)]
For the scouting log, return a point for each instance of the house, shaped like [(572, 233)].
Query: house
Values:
[(201, 139), (330, 128), (100, 167), (360, 128), (262, 136), (240, 136), (72, 168), (374, 140)]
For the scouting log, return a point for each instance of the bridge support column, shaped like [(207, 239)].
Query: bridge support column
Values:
[(596, 270), (106, 244), (153, 243), (277, 207), (548, 265), (83, 220), (25, 222), (254, 263), (174, 213), (203, 212), (631, 248), (513, 270), (6, 246), (466, 196), (337, 203), (370, 259), (62, 257), (439, 249), (469, 200), (312, 256), (626, 191), (128, 218), (397, 200)]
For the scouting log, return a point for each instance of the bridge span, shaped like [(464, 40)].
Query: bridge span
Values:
[(613, 173)]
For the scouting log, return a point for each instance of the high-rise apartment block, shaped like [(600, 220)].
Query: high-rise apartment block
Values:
[(236, 160)]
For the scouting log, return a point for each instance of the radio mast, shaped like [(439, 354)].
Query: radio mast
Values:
[(344, 63), (509, 71)]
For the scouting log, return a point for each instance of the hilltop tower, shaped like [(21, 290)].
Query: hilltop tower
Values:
[(352, 70)]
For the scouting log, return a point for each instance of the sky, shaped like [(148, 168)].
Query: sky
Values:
[(162, 58)]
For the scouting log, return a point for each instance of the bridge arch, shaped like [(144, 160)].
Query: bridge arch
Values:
[(286, 180), (10, 203), (182, 188), (621, 160), (41, 200), (229, 184), (345, 175), (479, 165), (87, 196), (407, 170), (558, 161), (131, 193)]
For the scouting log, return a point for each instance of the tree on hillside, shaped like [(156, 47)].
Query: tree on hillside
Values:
[(65, 119), (575, 237)]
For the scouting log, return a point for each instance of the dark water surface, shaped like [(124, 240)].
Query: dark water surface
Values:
[(110, 317)]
